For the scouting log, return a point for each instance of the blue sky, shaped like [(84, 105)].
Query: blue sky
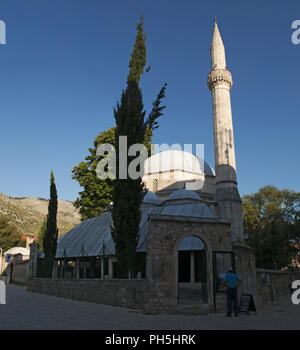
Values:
[(66, 61)]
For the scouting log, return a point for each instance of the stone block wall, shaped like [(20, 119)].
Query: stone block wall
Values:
[(245, 268), (221, 302), (272, 284), (159, 298), (127, 293), (148, 297), (20, 272), (165, 235)]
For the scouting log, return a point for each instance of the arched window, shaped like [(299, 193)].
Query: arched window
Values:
[(192, 270), (191, 260)]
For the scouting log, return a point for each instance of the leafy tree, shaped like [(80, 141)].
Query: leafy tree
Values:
[(97, 194), (41, 233), (9, 235), (271, 218), (51, 233), (128, 193)]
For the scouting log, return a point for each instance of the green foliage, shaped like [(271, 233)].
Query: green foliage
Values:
[(97, 194), (156, 112), (9, 235), (271, 218), (41, 233), (138, 56), (51, 233), (128, 193)]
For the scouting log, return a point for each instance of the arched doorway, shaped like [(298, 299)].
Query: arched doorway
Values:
[(192, 271)]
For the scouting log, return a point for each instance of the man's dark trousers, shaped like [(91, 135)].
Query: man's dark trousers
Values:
[(232, 297)]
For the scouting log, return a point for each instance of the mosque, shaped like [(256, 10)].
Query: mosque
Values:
[(189, 234)]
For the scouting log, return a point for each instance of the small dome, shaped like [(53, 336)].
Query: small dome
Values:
[(176, 160), (151, 198), (184, 194)]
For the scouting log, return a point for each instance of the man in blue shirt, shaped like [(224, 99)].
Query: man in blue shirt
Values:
[(231, 280)]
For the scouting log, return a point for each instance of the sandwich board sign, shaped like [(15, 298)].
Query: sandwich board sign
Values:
[(247, 303), (2, 292)]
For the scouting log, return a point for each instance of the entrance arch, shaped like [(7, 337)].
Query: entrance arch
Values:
[(192, 270)]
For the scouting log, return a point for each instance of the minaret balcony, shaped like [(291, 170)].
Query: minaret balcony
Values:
[(219, 76)]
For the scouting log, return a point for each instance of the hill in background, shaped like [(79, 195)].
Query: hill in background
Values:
[(28, 213)]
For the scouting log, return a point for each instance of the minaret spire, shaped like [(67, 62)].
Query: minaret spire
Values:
[(220, 82), (217, 50)]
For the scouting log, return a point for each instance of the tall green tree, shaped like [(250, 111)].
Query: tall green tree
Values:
[(138, 57), (271, 218), (41, 233), (128, 193), (51, 234), (96, 193), (9, 235)]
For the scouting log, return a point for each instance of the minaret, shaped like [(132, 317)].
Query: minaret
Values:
[(219, 82)]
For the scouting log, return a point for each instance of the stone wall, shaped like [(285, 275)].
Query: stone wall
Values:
[(135, 294), (127, 293), (165, 235), (266, 286), (272, 284), (20, 272), (245, 268), (16, 272)]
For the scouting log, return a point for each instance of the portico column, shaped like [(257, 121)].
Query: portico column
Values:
[(102, 268), (77, 269), (192, 260), (110, 267)]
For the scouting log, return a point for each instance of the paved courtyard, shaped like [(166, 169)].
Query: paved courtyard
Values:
[(26, 310)]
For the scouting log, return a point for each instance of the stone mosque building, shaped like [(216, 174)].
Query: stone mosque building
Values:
[(189, 235)]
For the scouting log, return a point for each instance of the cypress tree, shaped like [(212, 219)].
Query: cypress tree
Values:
[(128, 193), (41, 233), (138, 56), (51, 233)]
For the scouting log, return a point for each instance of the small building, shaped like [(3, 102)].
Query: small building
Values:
[(21, 251), (15, 265)]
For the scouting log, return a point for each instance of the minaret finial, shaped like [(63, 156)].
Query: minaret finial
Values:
[(215, 19)]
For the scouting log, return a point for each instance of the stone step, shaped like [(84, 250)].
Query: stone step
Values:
[(193, 309)]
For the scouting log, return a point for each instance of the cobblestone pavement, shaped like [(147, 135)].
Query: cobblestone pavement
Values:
[(26, 310)]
